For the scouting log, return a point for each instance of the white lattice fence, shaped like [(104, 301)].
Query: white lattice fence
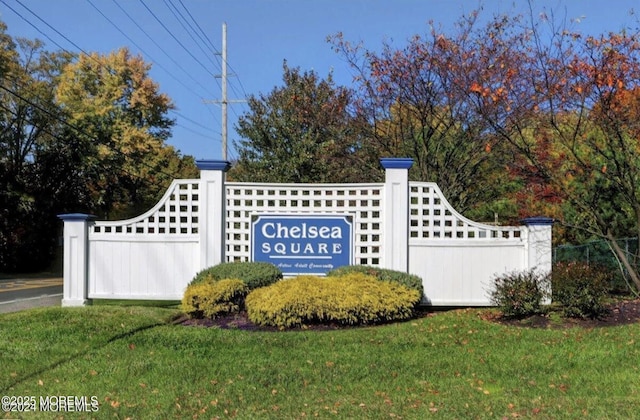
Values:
[(150, 256), (456, 257), (399, 225), (432, 217), (175, 214), (362, 201)]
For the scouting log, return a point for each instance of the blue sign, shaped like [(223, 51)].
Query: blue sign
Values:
[(302, 243)]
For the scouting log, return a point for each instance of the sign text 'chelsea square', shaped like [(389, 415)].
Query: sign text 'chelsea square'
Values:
[(302, 244)]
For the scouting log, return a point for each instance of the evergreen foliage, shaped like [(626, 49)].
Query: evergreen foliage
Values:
[(409, 280), (303, 131), (254, 274)]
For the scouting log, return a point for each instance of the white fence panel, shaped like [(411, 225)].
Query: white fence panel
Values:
[(455, 273), (130, 269), (456, 257), (152, 256)]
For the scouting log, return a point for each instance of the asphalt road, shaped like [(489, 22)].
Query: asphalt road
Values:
[(17, 294)]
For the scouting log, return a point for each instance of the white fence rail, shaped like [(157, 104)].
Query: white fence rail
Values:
[(400, 225)]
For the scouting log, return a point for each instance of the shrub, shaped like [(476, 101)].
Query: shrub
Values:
[(253, 274), (581, 289), (350, 299), (409, 280), (209, 299), (520, 294)]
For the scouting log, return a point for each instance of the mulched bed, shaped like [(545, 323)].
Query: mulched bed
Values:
[(233, 321), (241, 322), (621, 313)]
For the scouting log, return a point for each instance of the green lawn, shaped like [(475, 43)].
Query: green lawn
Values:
[(448, 365)]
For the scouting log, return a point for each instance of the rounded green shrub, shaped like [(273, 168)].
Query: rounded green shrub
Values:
[(350, 299), (253, 274), (213, 299), (580, 289), (520, 294), (409, 280)]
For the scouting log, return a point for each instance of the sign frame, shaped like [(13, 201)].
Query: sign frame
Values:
[(311, 234)]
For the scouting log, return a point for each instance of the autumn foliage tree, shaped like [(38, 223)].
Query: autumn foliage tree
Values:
[(409, 98), (565, 109), (121, 118), (560, 107)]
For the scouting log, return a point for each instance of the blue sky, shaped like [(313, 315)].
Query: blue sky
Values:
[(260, 35)]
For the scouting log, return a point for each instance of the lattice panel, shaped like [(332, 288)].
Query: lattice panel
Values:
[(362, 201), (432, 217), (175, 214)]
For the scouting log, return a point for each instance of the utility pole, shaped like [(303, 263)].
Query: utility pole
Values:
[(224, 101)]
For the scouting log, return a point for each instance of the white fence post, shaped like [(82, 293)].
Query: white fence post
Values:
[(395, 255), (539, 245), (76, 258), (212, 211)]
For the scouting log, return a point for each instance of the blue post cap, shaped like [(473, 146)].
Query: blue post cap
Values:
[(76, 217), (396, 163), (213, 165), (538, 221)]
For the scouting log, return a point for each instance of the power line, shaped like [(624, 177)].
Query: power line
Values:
[(173, 36), (206, 136), (55, 136), (177, 79), (73, 127), (180, 16), (215, 50), (194, 122), (161, 48), (33, 26), (177, 64), (45, 22), (244, 93), (28, 21), (225, 64), (157, 63), (188, 28), (16, 81)]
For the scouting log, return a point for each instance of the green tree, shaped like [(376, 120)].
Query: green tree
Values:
[(302, 132), (35, 183)]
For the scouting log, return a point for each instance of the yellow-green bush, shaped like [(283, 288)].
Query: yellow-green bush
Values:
[(212, 299), (410, 280), (351, 299)]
